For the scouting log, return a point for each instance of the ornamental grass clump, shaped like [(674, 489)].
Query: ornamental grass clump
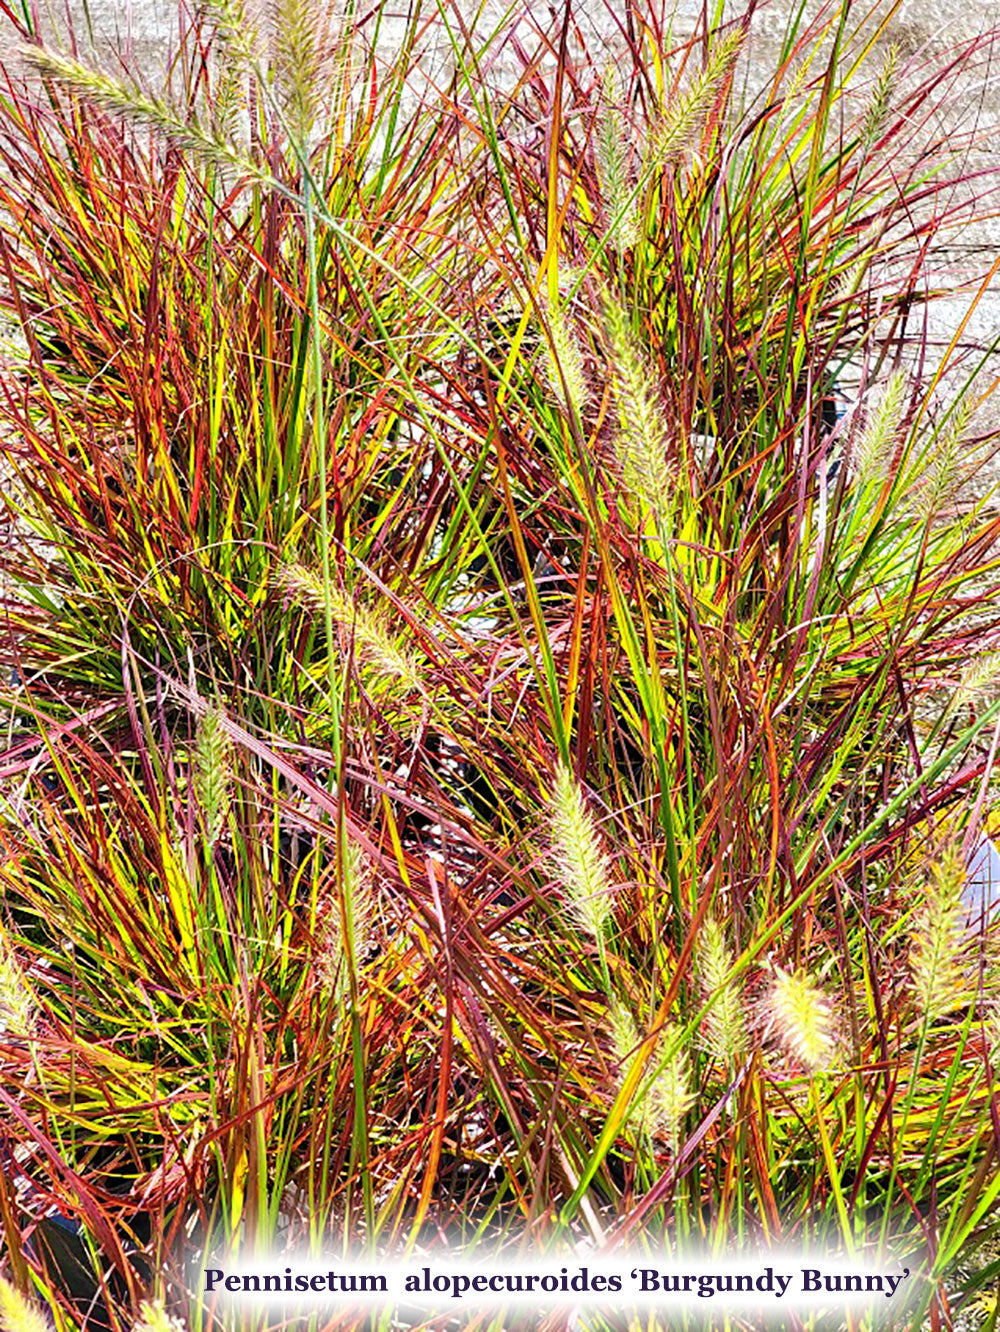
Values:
[(421, 494)]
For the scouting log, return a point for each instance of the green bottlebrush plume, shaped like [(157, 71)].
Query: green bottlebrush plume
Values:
[(331, 952), (153, 1317), (979, 682), (18, 1314), (797, 81), (725, 1024), (578, 856), (943, 470), (670, 1097), (641, 439), (937, 940), (873, 451), (850, 280), (803, 1018), (686, 115), (17, 1009), (374, 644), (611, 156), (213, 773), (664, 1099), (624, 1034), (236, 48), (624, 1045), (877, 111), (564, 360), (300, 35), (237, 30), (132, 104)]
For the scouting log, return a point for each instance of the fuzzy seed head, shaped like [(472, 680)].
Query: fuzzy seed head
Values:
[(670, 1096), (132, 104), (301, 46), (725, 1029), (849, 282), (578, 856), (213, 773), (943, 470), (624, 1045), (359, 902), (18, 1314), (877, 111), (235, 46), (804, 1019), (624, 1034), (564, 358), (611, 152), (641, 440), (236, 29), (979, 682), (687, 115), (153, 1317), (374, 644), (17, 1009), (874, 450), (937, 941)]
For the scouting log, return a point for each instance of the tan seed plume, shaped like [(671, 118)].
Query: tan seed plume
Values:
[(331, 954), (937, 939), (803, 1018), (641, 438), (18, 1314), (153, 1317), (374, 643), (725, 1029), (578, 856), (611, 143), (132, 104), (17, 1008), (687, 114)]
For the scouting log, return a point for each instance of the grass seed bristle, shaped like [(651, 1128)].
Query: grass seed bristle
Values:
[(803, 1018), (579, 858), (18, 1314)]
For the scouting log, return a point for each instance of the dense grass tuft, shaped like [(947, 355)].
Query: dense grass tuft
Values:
[(492, 755)]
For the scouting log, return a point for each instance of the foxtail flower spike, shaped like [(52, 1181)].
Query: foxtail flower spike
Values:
[(578, 856)]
